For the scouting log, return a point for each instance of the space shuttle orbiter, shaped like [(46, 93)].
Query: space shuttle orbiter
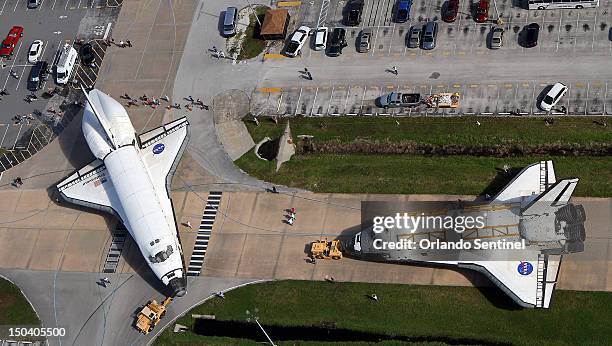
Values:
[(526, 229), (130, 178)]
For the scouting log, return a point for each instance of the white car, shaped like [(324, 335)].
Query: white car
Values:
[(320, 38), (553, 96), (297, 41), (35, 51)]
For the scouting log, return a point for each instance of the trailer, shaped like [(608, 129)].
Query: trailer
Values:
[(443, 100)]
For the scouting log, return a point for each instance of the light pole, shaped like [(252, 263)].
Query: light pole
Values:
[(254, 316), (254, 13)]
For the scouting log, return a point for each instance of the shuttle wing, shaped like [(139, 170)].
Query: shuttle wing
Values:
[(530, 283), (161, 150), (91, 187)]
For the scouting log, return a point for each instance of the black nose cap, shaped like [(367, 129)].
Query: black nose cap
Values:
[(178, 286)]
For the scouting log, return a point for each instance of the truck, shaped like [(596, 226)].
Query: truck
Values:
[(151, 314), (443, 100), (323, 249), (396, 99)]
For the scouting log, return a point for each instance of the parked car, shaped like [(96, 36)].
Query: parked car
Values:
[(320, 38), (497, 38), (353, 12), (450, 11), (482, 11), (33, 3), (337, 43), (87, 54), (10, 42), (38, 74), (297, 41), (364, 40), (402, 13), (229, 21), (430, 35), (414, 37), (35, 51), (553, 96), (532, 31)]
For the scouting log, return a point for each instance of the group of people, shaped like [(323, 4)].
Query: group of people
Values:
[(290, 216), (122, 44), (17, 182)]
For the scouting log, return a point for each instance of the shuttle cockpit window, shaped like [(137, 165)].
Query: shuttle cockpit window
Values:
[(162, 255)]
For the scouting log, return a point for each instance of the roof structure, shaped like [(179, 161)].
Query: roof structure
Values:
[(274, 22)]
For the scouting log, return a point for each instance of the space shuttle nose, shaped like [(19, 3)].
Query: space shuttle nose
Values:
[(178, 286)]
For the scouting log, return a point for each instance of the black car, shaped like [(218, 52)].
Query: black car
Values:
[(532, 31), (337, 42), (38, 74), (354, 9), (87, 54)]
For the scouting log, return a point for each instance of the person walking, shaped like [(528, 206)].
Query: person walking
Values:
[(129, 43), (394, 70)]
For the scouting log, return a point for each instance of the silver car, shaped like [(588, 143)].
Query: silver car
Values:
[(430, 35), (363, 43), (414, 37), (497, 38)]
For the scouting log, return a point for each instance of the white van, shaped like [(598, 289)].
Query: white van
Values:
[(65, 64)]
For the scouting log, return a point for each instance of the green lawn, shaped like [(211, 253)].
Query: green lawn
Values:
[(14, 308), (406, 174), (436, 130), (353, 171), (419, 312)]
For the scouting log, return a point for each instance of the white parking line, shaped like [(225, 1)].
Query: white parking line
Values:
[(4, 4), (5, 132), (314, 101), (280, 100), (15, 9), (348, 92), (297, 106), (17, 138), (331, 97), (365, 87), (605, 99)]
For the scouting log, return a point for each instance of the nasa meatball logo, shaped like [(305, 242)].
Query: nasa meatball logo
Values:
[(525, 268), (158, 148)]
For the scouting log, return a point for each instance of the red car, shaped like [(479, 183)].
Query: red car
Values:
[(449, 13), (482, 11), (11, 40)]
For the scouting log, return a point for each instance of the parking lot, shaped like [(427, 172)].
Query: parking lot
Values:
[(55, 23), (505, 98), (565, 34), (562, 31)]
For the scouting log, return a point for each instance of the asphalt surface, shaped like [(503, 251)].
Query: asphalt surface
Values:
[(94, 314), (55, 22), (574, 47)]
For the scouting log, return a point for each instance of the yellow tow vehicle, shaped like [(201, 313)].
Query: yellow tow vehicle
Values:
[(322, 249), (151, 314)]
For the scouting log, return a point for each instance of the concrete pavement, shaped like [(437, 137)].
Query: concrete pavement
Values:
[(93, 314)]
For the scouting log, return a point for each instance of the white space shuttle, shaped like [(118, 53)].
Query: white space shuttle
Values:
[(532, 210), (130, 178)]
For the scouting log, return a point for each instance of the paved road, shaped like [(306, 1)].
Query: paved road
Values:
[(96, 315), (195, 78)]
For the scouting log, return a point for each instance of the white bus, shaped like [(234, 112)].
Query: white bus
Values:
[(556, 4)]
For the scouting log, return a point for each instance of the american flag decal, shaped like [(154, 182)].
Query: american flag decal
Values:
[(99, 182)]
